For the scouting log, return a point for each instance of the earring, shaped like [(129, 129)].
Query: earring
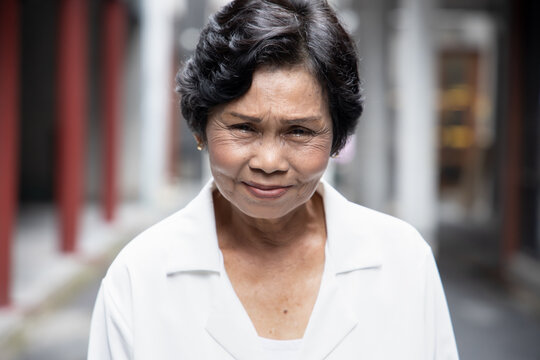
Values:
[(334, 155), (200, 146)]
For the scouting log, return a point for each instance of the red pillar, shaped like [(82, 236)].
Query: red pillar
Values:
[(513, 164), (71, 112), (9, 116), (113, 40)]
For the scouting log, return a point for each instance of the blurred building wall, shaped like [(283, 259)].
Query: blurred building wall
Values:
[(477, 150)]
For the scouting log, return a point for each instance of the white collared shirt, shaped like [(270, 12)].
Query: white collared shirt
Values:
[(165, 295), (280, 349)]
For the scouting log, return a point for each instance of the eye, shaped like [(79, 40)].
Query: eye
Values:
[(299, 131), (243, 127)]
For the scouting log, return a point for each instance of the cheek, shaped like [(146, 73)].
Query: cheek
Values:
[(226, 158), (314, 167), (310, 168), (312, 160)]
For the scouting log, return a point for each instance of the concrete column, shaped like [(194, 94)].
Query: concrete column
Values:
[(157, 30), (372, 136), (416, 118)]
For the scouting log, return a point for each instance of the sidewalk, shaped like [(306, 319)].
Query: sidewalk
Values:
[(46, 281), (494, 317)]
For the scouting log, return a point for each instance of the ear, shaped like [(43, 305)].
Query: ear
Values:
[(200, 142)]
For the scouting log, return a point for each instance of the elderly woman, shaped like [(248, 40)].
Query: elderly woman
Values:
[(268, 262)]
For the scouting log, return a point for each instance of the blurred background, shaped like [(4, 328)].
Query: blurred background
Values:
[(93, 149)]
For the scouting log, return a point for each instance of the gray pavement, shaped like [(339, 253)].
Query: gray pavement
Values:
[(494, 318), (62, 334), (53, 293)]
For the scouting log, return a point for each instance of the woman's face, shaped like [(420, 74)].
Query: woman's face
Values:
[(269, 148)]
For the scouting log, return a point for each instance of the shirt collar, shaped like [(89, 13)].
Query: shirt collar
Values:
[(193, 245), (351, 242)]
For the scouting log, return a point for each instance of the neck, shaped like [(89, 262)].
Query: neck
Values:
[(297, 229)]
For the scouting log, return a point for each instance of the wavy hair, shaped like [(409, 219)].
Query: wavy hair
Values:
[(248, 34)]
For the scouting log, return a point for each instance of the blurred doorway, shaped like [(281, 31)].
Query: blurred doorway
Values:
[(468, 56), (465, 139)]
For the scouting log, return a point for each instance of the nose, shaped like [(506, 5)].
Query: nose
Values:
[(269, 157)]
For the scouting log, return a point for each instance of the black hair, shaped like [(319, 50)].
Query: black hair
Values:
[(248, 34)]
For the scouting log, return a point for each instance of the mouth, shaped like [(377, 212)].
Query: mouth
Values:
[(266, 191)]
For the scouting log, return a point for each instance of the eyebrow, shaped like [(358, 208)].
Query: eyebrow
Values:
[(255, 119)]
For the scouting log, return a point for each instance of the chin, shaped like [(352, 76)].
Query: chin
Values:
[(264, 212)]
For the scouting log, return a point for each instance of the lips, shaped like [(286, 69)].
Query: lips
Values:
[(266, 191)]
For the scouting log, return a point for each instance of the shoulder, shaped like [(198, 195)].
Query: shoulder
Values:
[(155, 239), (393, 239), (397, 238), (173, 237)]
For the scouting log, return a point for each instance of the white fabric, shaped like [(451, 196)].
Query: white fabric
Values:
[(164, 296), (280, 349)]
